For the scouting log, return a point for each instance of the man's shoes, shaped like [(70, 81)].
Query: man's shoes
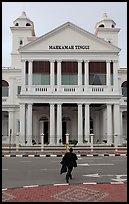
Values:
[(67, 180)]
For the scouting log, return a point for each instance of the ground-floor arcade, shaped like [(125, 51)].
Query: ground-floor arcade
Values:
[(54, 120)]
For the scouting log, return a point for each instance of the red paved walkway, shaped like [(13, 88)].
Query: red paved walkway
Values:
[(68, 193)]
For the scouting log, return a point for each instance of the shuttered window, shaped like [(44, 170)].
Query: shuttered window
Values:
[(97, 73), (69, 72), (41, 73)]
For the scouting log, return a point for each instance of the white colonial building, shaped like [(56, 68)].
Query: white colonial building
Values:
[(66, 81)]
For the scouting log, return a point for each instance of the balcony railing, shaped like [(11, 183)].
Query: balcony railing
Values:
[(67, 89)]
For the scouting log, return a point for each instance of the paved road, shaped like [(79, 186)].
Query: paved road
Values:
[(23, 172)]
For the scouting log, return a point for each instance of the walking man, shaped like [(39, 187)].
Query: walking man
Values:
[(69, 161)]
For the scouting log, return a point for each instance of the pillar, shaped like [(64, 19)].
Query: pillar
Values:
[(52, 77), (86, 80), (109, 124), (80, 126), (29, 124), (58, 74), (22, 124), (108, 76), (52, 124), (30, 75), (23, 78), (115, 75), (59, 122), (87, 123), (79, 73), (117, 122)]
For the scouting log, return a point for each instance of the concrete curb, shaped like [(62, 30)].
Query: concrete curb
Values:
[(64, 184), (61, 155)]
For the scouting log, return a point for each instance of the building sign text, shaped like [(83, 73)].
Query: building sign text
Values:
[(69, 47)]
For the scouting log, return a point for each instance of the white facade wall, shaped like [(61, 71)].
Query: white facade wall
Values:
[(59, 103)]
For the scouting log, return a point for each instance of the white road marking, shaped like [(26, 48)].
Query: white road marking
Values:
[(92, 175), (4, 189), (90, 183), (4, 169), (30, 186), (116, 182), (93, 164), (83, 164), (119, 179), (117, 176), (61, 184), (99, 164)]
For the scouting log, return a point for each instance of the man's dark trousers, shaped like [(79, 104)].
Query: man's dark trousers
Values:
[(69, 175)]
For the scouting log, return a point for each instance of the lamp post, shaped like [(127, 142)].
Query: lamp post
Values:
[(42, 141), (67, 142), (91, 136), (10, 140), (17, 141), (115, 141)]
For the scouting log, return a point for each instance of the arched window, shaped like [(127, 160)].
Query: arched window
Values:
[(21, 42), (16, 24), (5, 88), (102, 25), (124, 88), (28, 24)]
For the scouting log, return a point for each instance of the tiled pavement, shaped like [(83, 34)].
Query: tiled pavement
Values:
[(68, 193)]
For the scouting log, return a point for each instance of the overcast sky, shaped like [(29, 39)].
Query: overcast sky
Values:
[(49, 15)]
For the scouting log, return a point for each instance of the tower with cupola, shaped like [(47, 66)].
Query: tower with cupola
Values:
[(106, 29), (22, 33)]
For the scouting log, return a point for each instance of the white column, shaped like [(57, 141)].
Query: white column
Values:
[(80, 132), (121, 125), (29, 124), (22, 124), (58, 74), (52, 124), (30, 75), (59, 122), (117, 122), (12, 90), (115, 75), (23, 78), (52, 74), (11, 126), (109, 124), (87, 123), (79, 73), (108, 76), (86, 80)]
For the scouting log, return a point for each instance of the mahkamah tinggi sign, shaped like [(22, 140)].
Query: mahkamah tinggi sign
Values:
[(69, 47)]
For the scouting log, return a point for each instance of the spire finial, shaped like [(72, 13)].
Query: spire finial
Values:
[(104, 15)]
